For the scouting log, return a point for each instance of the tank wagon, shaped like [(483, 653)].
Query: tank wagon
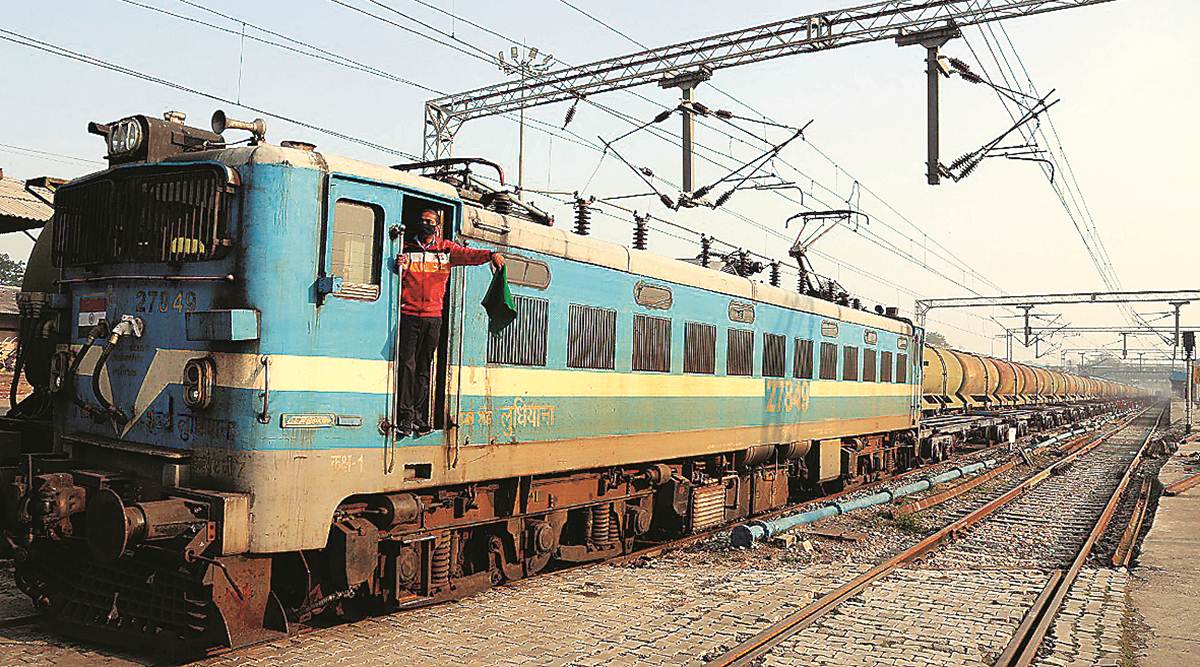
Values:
[(955, 380), (973, 398), (211, 331)]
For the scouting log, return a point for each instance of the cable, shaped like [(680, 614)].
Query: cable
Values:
[(479, 54), (33, 152), (962, 264), (1085, 225), (22, 40), (625, 117), (87, 59), (1086, 229)]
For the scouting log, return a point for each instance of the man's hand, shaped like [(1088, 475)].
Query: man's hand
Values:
[(497, 261)]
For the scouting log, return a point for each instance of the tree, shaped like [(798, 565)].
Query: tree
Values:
[(12, 271), (935, 338)]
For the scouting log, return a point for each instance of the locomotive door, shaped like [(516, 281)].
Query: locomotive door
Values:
[(359, 287)]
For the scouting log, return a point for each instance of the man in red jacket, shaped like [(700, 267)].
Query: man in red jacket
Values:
[(425, 270)]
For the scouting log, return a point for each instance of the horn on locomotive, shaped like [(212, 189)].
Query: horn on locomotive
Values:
[(257, 127)]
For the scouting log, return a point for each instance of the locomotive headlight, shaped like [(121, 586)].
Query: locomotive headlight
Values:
[(198, 379), (125, 137), (60, 364)]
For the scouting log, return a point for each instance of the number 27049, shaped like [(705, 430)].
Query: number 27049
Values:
[(165, 301)]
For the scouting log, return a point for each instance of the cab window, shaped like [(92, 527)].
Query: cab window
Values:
[(356, 247)]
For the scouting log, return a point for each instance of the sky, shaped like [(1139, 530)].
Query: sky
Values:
[(1124, 72)]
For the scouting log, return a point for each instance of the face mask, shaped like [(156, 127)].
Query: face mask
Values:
[(425, 228)]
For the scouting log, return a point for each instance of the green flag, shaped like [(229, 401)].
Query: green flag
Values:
[(498, 302)]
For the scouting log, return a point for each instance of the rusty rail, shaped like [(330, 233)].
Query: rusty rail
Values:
[(749, 651), (1182, 485), (922, 504), (1124, 550), (1022, 649)]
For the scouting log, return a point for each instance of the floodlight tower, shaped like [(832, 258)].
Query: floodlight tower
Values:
[(526, 65)]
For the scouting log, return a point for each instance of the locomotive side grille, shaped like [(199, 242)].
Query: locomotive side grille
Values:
[(152, 214), (885, 367), (802, 362), (850, 363), (591, 337), (774, 355), (828, 361), (868, 365), (651, 343), (901, 368), (522, 343), (740, 352), (699, 348)]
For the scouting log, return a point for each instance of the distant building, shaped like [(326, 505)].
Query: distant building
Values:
[(26, 205), (9, 315)]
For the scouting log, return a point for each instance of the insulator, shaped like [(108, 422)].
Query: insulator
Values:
[(722, 199), (705, 250), (969, 168), (570, 113), (639, 232), (502, 203), (583, 216), (646, 171), (774, 274), (964, 71), (961, 160)]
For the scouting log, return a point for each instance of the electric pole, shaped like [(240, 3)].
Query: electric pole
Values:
[(1189, 390)]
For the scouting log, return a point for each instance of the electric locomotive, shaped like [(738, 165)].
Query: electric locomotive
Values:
[(213, 324)]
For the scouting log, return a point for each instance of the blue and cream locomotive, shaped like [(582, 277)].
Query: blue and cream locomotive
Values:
[(211, 343)]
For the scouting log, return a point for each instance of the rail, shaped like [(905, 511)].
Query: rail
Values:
[(754, 648), (1023, 648)]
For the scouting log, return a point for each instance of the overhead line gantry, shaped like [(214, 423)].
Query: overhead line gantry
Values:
[(929, 23)]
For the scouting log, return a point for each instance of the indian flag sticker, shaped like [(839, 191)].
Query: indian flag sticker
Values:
[(92, 311)]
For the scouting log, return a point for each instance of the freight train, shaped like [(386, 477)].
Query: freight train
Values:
[(211, 454)]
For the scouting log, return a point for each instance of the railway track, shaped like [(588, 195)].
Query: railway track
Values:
[(1050, 521)]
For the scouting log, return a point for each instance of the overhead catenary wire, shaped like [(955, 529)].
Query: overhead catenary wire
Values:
[(600, 208), (1069, 193), (161, 81), (483, 54), (926, 237), (46, 155)]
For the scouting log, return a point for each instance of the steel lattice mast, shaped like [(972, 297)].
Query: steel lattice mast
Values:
[(926, 22)]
